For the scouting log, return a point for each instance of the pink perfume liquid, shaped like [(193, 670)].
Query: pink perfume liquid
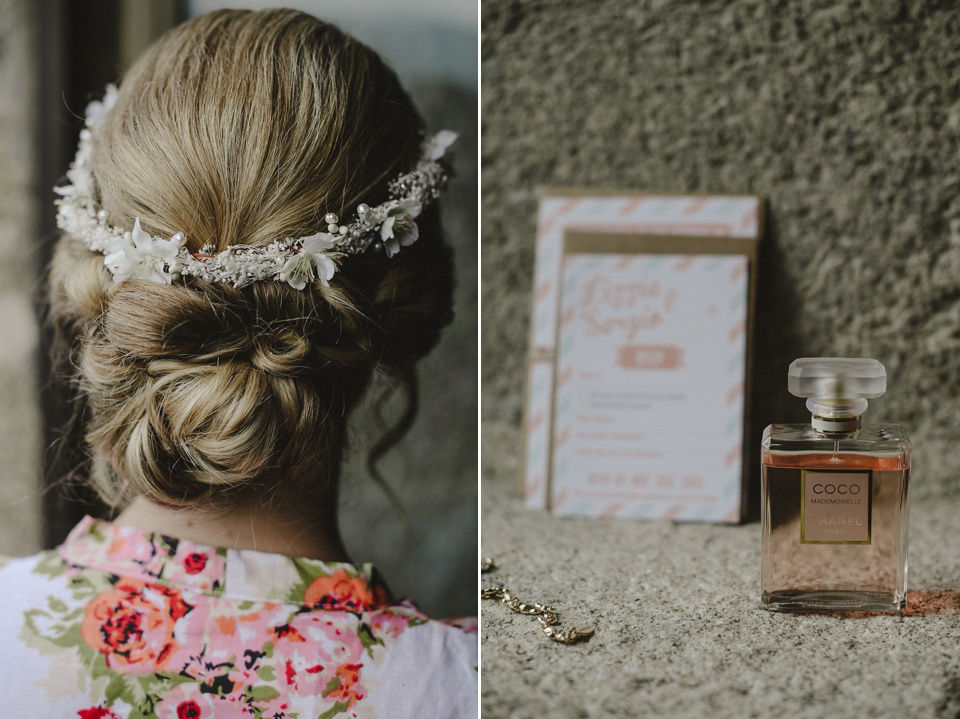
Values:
[(835, 519)]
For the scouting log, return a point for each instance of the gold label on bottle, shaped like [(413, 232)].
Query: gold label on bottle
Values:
[(835, 507)]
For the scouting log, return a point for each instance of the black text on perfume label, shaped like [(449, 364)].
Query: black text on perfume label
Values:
[(835, 507)]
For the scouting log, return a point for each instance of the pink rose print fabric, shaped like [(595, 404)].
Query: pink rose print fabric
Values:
[(122, 624)]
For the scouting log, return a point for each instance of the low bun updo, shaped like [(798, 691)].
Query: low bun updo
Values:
[(242, 127)]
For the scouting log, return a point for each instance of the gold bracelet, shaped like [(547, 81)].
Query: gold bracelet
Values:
[(547, 616)]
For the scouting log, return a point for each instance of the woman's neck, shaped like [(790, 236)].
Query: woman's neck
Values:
[(294, 529)]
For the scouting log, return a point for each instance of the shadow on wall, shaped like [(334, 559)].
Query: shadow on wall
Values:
[(776, 343)]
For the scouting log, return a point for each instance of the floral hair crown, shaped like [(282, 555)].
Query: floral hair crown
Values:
[(136, 254)]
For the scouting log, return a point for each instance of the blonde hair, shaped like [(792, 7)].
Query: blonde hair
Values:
[(242, 127)]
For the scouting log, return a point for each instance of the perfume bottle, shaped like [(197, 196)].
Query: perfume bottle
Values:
[(835, 496)]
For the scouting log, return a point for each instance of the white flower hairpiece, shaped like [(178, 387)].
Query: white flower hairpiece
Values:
[(296, 261)]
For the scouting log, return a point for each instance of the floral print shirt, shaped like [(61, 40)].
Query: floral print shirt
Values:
[(122, 624)]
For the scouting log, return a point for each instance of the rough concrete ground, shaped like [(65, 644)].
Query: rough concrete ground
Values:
[(679, 632)]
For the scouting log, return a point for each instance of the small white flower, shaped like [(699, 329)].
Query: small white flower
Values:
[(439, 143), (398, 229), (313, 262), (138, 255), (227, 260), (98, 109)]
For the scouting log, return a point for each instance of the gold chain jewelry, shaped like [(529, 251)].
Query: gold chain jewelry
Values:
[(547, 616)]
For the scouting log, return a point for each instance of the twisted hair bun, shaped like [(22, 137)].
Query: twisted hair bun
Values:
[(245, 127)]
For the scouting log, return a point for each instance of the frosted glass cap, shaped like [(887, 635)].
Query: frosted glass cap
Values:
[(837, 378)]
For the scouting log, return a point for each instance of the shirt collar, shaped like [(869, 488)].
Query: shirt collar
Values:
[(243, 574)]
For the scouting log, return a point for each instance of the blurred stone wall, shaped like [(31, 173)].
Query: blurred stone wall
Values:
[(20, 423), (844, 114), (427, 547)]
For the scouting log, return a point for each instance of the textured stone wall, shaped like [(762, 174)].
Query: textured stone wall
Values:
[(844, 114), (20, 433)]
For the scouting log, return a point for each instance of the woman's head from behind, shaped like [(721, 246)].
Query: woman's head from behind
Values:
[(243, 128)]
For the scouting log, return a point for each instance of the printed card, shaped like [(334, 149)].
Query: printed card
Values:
[(649, 384), (708, 219)]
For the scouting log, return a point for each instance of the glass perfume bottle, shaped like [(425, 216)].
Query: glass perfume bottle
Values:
[(835, 496)]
